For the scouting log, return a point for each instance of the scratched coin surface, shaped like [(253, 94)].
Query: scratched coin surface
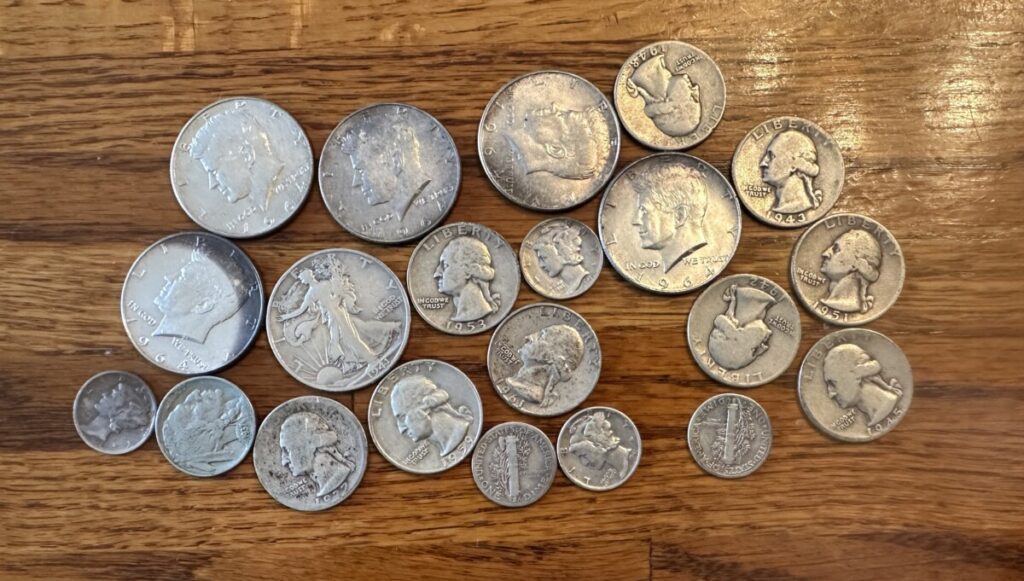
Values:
[(514, 464), (241, 167), (847, 269), (855, 385), (425, 416), (114, 412), (599, 448), (548, 140), (338, 320), (389, 173), (192, 303), (669, 223), (561, 258), (729, 435)]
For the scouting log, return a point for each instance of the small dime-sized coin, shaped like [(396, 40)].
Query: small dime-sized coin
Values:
[(114, 412), (241, 167), (205, 426), (338, 319), (425, 416), (548, 140), (561, 258), (669, 223), (389, 173), (744, 330), (847, 269), (463, 278), (310, 453), (729, 435), (855, 385), (192, 303), (599, 448), (514, 464), (544, 359), (788, 172), (670, 95)]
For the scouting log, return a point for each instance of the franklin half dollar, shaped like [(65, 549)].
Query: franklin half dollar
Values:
[(599, 448), (561, 258), (514, 464), (114, 412), (729, 435)]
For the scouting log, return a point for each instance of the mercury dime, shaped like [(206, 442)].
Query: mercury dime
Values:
[(114, 412), (241, 167), (389, 173), (847, 269), (192, 303), (548, 140), (729, 435), (669, 223), (561, 258), (514, 464), (599, 448), (338, 319)]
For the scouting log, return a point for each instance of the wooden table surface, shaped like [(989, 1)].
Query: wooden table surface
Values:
[(926, 100)]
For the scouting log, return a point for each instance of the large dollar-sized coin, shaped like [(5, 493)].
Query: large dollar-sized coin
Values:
[(241, 167), (561, 258), (669, 223), (463, 278), (310, 453), (599, 448), (338, 320), (114, 412), (548, 140), (729, 435), (855, 385), (425, 416), (389, 173), (192, 303), (514, 464), (847, 269)]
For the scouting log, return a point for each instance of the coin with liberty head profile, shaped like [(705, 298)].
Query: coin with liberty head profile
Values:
[(599, 448), (561, 258), (114, 412)]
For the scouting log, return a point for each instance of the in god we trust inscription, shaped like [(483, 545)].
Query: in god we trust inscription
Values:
[(599, 448)]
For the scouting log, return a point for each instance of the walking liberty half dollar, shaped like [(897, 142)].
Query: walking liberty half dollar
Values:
[(389, 173), (548, 140), (561, 258), (192, 303), (729, 435), (599, 448), (310, 453), (338, 320), (514, 464), (114, 412), (855, 385), (241, 167), (425, 416), (669, 223)]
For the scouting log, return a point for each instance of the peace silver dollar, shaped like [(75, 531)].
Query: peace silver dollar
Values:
[(514, 464), (599, 448), (729, 435), (561, 258), (114, 412)]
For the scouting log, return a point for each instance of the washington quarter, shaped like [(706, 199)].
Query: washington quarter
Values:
[(561, 258), (514, 464), (114, 412), (599, 448), (729, 436)]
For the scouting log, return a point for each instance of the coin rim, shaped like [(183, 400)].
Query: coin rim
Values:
[(580, 483), (744, 474), (152, 417), (550, 480), (522, 263)]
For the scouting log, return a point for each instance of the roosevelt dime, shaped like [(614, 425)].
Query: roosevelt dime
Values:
[(561, 258), (514, 464), (729, 435), (114, 411), (599, 448)]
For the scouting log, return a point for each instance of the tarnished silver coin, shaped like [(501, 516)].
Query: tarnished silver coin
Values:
[(561, 258), (544, 359), (548, 140), (847, 269), (855, 385), (205, 426), (514, 464), (192, 303), (669, 223), (310, 453), (729, 435), (389, 173), (241, 167), (788, 172), (114, 412), (425, 416), (599, 448), (463, 278), (338, 320), (744, 330), (670, 95)]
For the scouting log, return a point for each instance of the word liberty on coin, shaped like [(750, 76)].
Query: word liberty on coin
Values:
[(114, 412), (561, 258), (514, 464), (599, 448), (729, 435)]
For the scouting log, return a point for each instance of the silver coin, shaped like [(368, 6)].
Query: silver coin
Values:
[(338, 320), (855, 385), (425, 416), (744, 330), (599, 448), (670, 95), (241, 167), (463, 278), (561, 258), (114, 412), (192, 303), (514, 464), (205, 426), (847, 269), (548, 140), (389, 173), (310, 453), (669, 223), (729, 435), (544, 359)]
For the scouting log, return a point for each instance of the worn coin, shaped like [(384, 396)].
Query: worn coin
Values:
[(548, 140), (729, 435), (599, 448), (114, 412), (561, 258), (514, 464)]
